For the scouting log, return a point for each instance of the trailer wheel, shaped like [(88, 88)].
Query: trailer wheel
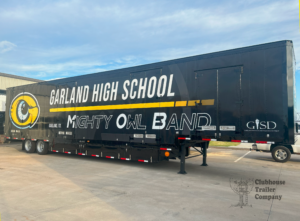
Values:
[(42, 147), (281, 154), (29, 146)]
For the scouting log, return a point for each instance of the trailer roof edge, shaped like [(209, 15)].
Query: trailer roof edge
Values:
[(183, 59)]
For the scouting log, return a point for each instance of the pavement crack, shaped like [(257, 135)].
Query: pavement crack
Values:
[(275, 192)]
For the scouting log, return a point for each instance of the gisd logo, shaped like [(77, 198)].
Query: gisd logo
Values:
[(24, 111)]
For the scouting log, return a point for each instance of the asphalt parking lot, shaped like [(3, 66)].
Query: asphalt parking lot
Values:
[(68, 187)]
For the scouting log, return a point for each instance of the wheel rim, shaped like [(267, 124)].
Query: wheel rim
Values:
[(28, 145), (40, 146), (281, 154)]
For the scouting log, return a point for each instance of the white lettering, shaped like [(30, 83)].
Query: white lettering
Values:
[(170, 94), (56, 97), (121, 126), (71, 120), (79, 94), (66, 100), (72, 98), (272, 122), (185, 120), (107, 119), (263, 125), (100, 96), (95, 92), (62, 96), (126, 83), (161, 89), (253, 127), (106, 92), (52, 97), (85, 94), (151, 90), (114, 91), (173, 122), (134, 82), (142, 88), (159, 121)]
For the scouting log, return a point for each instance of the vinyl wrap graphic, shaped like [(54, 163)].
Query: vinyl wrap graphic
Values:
[(225, 96), (24, 110)]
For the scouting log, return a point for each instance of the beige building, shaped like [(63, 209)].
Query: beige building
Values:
[(9, 80)]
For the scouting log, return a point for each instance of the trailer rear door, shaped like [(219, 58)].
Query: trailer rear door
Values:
[(229, 101), (219, 93), (206, 96)]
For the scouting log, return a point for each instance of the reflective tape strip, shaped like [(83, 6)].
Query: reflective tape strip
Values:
[(111, 157), (144, 161), (81, 154), (207, 139), (184, 138), (15, 138), (67, 152), (240, 141), (267, 142), (162, 148), (124, 159), (22, 138), (93, 155), (7, 137), (33, 139), (55, 151), (46, 140)]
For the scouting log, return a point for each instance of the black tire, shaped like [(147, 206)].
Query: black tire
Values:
[(42, 147), (23, 145), (30, 146), (281, 154)]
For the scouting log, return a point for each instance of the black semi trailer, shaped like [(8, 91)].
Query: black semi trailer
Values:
[(156, 112)]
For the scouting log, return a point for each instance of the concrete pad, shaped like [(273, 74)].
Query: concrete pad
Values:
[(69, 187)]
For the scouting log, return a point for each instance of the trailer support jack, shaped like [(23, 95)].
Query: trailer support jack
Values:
[(182, 161), (204, 149)]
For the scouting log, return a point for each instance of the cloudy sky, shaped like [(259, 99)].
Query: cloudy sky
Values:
[(54, 39)]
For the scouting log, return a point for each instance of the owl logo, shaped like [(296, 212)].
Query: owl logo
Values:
[(24, 110)]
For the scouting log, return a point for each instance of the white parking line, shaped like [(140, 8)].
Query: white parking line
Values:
[(242, 156)]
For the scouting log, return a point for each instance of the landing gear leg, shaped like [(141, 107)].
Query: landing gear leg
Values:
[(182, 161), (204, 149)]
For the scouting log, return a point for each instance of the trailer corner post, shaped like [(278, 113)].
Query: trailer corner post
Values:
[(204, 146), (182, 161)]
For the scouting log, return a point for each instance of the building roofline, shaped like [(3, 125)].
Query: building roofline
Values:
[(19, 77)]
